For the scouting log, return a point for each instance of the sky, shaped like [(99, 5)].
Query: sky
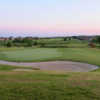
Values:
[(49, 17)]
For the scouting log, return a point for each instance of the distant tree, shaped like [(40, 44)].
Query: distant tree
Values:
[(42, 44), (65, 38), (35, 43), (17, 40), (70, 38), (98, 39), (29, 43), (9, 44)]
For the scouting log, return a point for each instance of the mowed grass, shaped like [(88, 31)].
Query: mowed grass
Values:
[(43, 85), (30, 54), (87, 55)]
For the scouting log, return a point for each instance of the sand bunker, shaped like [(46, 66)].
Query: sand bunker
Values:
[(56, 65)]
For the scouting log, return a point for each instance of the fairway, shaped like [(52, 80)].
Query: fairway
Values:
[(31, 54), (87, 55)]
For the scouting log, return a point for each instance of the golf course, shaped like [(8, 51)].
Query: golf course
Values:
[(49, 49), (50, 73)]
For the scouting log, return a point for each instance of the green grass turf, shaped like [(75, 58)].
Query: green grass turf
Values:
[(88, 55), (30, 54), (42, 85)]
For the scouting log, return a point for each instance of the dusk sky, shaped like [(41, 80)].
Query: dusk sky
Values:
[(49, 17)]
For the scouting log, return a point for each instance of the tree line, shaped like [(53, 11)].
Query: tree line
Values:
[(29, 41), (19, 42)]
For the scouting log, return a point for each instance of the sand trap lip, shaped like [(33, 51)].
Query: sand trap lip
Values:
[(68, 66)]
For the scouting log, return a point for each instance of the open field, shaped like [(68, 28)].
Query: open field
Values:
[(48, 85)]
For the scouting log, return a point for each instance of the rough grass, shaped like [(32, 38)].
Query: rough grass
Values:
[(7, 68), (41, 85)]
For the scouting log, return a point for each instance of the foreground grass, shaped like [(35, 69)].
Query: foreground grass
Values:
[(48, 85), (39, 85)]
